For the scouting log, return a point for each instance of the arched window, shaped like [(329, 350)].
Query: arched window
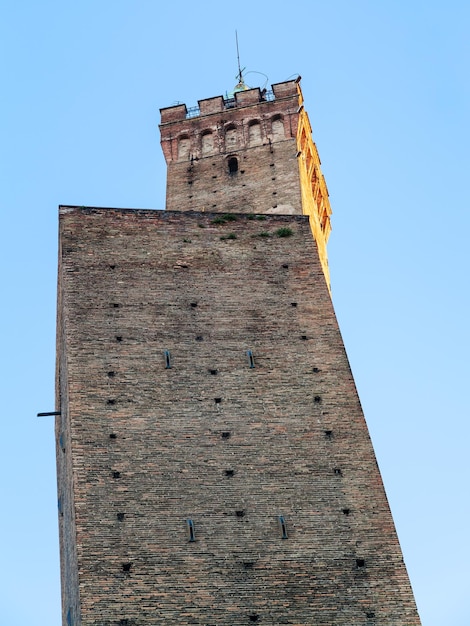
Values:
[(232, 165), (230, 137), (277, 126), (254, 133), (183, 147), (207, 143)]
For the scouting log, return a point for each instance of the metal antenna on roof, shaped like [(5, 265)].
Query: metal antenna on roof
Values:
[(241, 83), (240, 75)]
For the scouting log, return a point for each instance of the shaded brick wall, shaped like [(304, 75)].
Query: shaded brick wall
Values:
[(267, 182), (211, 439)]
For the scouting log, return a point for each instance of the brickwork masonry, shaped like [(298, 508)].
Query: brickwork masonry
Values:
[(208, 396)]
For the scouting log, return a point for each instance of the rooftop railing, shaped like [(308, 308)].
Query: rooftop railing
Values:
[(230, 102)]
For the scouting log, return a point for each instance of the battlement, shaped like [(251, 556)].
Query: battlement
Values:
[(218, 104)]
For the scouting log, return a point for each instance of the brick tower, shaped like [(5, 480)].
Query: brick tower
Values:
[(214, 465)]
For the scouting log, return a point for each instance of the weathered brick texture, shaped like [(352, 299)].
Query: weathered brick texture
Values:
[(260, 134), (142, 448)]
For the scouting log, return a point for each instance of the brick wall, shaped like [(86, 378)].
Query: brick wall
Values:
[(260, 134), (211, 439)]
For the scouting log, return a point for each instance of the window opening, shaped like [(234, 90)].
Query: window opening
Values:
[(167, 360), (251, 359), (282, 524), (191, 533), (233, 165)]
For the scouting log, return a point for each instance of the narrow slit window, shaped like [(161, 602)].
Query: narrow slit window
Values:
[(167, 360), (233, 165), (282, 526), (251, 359), (191, 533)]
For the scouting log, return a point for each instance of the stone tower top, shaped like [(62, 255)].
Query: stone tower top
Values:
[(250, 153)]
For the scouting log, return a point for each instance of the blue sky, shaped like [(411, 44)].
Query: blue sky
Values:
[(387, 91)]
